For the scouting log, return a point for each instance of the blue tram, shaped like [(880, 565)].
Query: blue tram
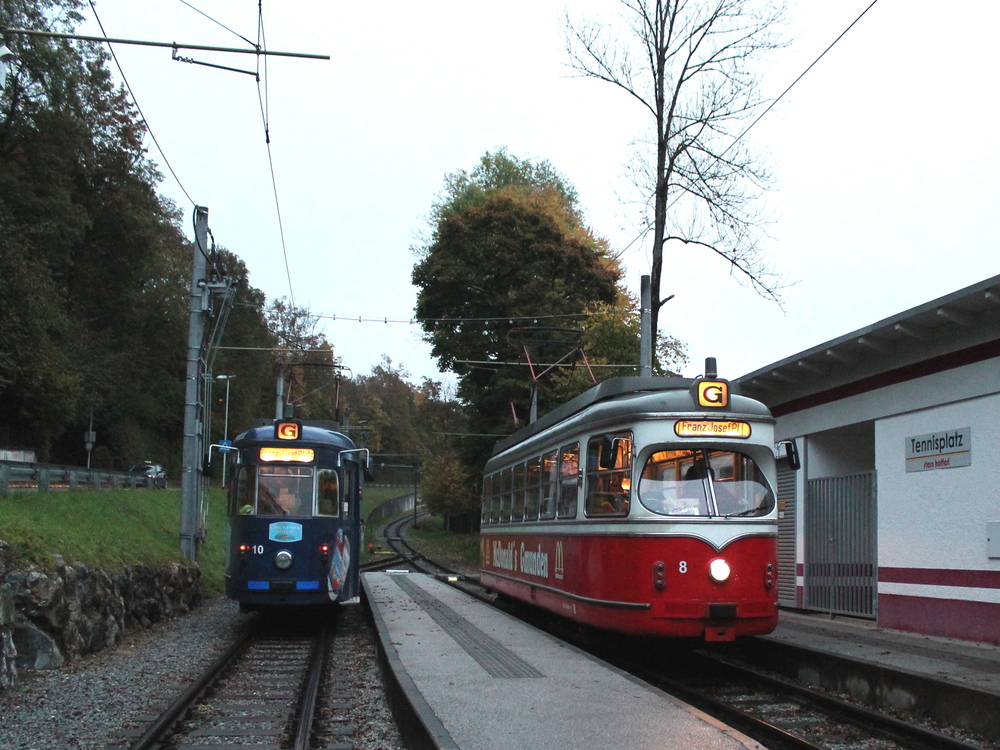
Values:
[(294, 516)]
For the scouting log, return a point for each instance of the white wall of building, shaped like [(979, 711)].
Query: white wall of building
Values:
[(937, 519)]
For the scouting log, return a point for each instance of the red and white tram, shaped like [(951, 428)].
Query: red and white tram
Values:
[(644, 506)]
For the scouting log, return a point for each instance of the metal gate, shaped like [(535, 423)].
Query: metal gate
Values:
[(840, 545)]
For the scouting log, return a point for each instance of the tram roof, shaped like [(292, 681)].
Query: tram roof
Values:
[(675, 396), (321, 432)]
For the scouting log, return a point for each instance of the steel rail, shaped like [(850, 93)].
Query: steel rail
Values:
[(890, 726), (311, 691), (179, 707)]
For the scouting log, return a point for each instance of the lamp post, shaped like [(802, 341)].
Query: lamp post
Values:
[(225, 433)]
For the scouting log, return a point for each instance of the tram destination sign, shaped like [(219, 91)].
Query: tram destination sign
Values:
[(711, 428), (945, 449)]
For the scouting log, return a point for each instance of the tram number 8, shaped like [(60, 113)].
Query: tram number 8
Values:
[(682, 567)]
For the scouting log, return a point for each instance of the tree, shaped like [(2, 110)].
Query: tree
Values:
[(613, 339), (508, 247), (92, 261), (247, 352), (306, 357), (445, 485), (690, 64), (383, 405)]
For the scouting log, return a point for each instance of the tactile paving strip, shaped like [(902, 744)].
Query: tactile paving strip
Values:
[(494, 657)]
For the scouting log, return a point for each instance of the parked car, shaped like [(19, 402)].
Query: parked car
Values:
[(153, 471)]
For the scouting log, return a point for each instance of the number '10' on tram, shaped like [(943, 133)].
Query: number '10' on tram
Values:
[(294, 533), (645, 506)]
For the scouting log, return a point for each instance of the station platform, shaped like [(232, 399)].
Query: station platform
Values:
[(469, 676), (956, 682)]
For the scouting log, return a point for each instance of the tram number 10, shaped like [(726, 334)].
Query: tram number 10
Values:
[(258, 549)]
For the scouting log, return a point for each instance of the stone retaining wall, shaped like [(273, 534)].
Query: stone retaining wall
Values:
[(47, 619)]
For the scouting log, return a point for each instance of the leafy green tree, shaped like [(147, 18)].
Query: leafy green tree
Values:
[(247, 351), (92, 260), (383, 410), (306, 357), (508, 248), (445, 485)]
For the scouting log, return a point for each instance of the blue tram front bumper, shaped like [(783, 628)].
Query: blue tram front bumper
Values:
[(278, 592)]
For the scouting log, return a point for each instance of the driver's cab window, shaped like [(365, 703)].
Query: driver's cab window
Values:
[(284, 490)]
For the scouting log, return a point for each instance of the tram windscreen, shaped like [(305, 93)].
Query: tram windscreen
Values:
[(704, 483), (269, 490)]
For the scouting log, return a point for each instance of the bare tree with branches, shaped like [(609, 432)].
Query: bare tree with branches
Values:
[(692, 64)]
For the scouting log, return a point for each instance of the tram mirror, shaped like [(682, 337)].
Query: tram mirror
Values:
[(791, 452)]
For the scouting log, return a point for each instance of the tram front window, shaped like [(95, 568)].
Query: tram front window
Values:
[(268, 490), (704, 483)]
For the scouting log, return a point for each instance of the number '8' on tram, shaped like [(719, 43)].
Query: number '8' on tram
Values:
[(294, 531), (645, 506)]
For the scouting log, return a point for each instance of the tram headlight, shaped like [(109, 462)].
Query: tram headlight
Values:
[(719, 570), (283, 560)]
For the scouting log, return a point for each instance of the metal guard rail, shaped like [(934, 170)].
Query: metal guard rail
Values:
[(20, 475)]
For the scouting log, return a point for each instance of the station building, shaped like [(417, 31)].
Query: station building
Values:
[(895, 512)]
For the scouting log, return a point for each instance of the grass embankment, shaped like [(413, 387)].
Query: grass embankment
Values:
[(113, 528), (110, 529), (458, 551)]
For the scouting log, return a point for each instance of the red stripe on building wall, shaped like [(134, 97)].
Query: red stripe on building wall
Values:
[(969, 356), (948, 618), (977, 579)]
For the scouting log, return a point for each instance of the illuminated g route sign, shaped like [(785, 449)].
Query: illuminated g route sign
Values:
[(939, 450)]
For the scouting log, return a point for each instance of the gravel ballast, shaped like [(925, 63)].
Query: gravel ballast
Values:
[(86, 704)]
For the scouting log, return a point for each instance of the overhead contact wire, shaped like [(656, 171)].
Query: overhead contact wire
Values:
[(145, 122)]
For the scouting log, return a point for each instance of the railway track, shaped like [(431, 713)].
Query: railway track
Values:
[(778, 713), (269, 689)]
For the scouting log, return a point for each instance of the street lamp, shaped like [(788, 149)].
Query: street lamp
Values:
[(225, 433)]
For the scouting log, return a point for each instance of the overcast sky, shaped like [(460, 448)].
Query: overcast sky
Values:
[(886, 156)]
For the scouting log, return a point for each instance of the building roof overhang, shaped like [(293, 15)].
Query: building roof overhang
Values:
[(938, 335)]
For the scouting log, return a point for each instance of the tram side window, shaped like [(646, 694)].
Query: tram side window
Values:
[(487, 494), (506, 494), (517, 513), (534, 477), (329, 493), (495, 499), (550, 482), (609, 474), (243, 501), (569, 480)]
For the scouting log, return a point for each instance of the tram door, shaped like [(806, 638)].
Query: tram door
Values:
[(351, 514)]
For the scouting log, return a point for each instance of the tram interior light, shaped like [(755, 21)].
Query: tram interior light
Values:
[(719, 570)]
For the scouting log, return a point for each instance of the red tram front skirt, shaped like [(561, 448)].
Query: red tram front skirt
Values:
[(640, 585)]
